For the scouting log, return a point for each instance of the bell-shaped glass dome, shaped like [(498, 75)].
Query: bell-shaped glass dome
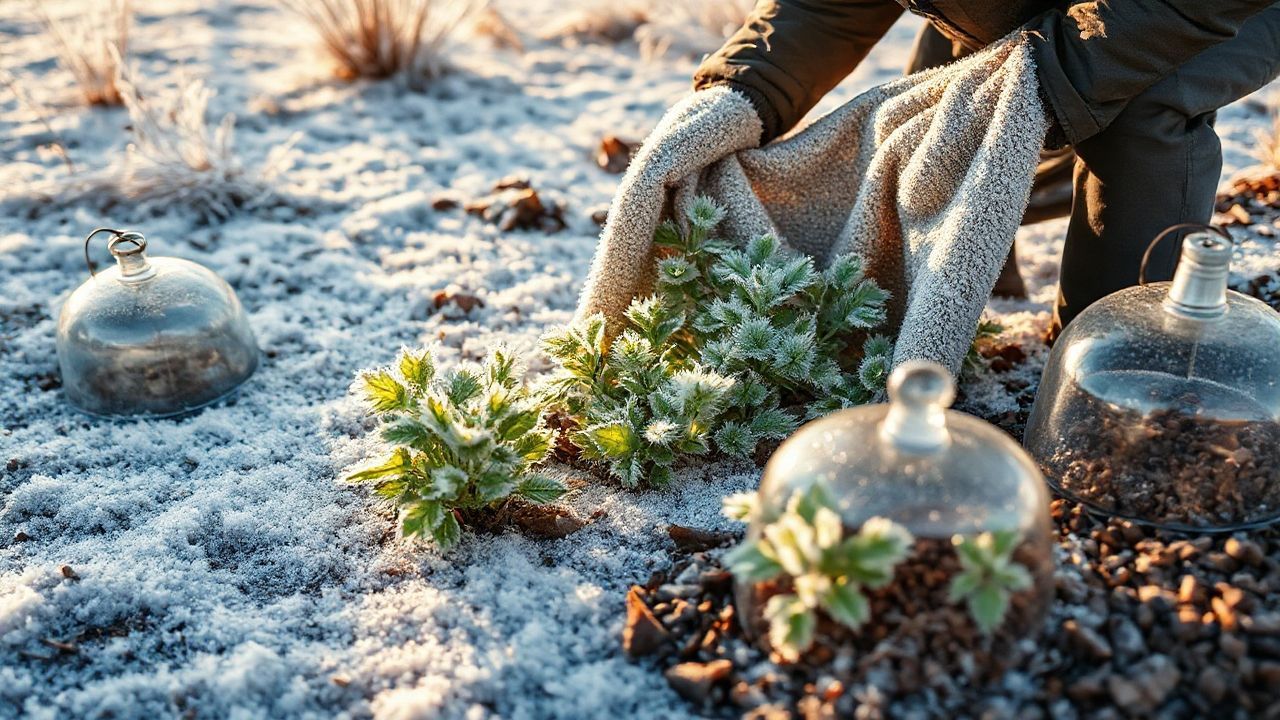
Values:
[(152, 336), (1161, 403), (964, 505)]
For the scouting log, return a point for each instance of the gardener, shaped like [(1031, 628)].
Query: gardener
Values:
[(1133, 86)]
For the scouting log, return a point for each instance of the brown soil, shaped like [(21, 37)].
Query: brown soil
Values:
[(1171, 468)]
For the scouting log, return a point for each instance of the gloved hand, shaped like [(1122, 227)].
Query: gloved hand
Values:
[(701, 129)]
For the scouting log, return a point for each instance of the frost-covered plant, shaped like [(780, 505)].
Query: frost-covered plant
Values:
[(381, 38), (735, 347), (765, 315), (466, 440), (90, 46), (826, 570), (637, 406), (175, 158), (988, 576)]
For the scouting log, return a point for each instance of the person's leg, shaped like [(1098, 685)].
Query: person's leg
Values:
[(1157, 165), (933, 49)]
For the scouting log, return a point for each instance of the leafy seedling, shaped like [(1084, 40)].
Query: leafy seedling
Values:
[(988, 577), (827, 571), (466, 440)]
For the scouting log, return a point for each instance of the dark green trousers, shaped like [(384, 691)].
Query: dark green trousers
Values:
[(1157, 164)]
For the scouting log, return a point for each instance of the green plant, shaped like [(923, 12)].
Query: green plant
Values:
[(735, 347), (638, 408), (464, 441), (765, 314), (988, 576), (826, 570), (988, 330)]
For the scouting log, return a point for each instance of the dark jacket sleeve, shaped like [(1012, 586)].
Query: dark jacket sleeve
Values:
[(790, 53), (1094, 57)]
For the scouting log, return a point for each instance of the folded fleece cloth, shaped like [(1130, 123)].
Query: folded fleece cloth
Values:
[(925, 178)]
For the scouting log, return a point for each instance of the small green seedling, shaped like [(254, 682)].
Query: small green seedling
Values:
[(827, 570), (465, 440), (988, 576)]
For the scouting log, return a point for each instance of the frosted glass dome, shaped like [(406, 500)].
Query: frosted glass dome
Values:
[(152, 336), (944, 476), (1161, 403)]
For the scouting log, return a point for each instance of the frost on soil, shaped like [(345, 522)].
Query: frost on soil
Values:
[(223, 569)]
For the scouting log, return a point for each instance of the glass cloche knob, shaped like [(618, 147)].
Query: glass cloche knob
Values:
[(1161, 402), (151, 336), (919, 394), (964, 505)]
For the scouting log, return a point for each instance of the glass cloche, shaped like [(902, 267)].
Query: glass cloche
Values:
[(151, 336), (1161, 402), (922, 522)]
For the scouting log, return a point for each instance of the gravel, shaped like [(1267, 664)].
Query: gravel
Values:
[(1145, 623)]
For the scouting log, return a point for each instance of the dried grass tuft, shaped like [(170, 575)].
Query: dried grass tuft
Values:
[(377, 39), (1269, 144), (687, 27), (175, 158), (90, 45), (603, 20), (690, 28)]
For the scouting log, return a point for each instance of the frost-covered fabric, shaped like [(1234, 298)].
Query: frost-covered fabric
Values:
[(926, 178), (701, 129)]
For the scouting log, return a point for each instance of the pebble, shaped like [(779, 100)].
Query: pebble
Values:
[(1212, 683), (671, 592), (1191, 591), (1126, 638), (693, 680), (643, 633), (1232, 645), (1148, 684), (1269, 674), (1085, 641), (1221, 562), (1246, 551)]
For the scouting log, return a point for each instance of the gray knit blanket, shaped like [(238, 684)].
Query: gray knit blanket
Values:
[(926, 178)]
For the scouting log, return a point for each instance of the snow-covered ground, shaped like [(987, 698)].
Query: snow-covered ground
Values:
[(223, 568)]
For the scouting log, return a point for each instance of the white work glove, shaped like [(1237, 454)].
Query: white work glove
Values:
[(701, 129)]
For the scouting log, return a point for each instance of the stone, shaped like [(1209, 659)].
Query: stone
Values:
[(1086, 642), (1126, 638), (694, 680), (642, 634), (1232, 646), (1245, 551), (1268, 674), (1212, 683), (1147, 685)]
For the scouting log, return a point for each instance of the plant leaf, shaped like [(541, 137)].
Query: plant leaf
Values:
[(385, 393), (541, 489), (749, 563), (846, 604), (399, 462), (987, 605), (791, 626)]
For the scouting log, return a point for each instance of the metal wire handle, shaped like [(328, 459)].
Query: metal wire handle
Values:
[(121, 236), (1146, 256)]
